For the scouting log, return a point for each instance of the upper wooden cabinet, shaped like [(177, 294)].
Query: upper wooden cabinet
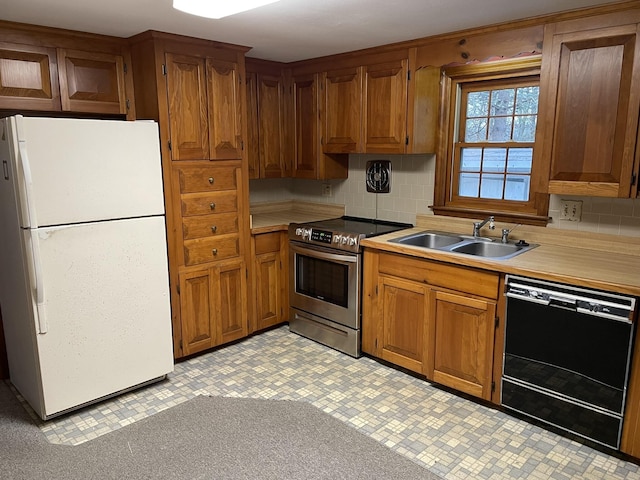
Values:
[(28, 77), (92, 82), (33, 77), (310, 161), (385, 107), (590, 98), (270, 148), (204, 108), (342, 114)]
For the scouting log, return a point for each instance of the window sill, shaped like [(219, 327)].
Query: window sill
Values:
[(523, 218)]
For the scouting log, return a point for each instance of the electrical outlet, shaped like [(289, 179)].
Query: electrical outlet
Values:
[(326, 190), (571, 210)]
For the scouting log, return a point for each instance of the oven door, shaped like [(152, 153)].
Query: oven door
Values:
[(325, 283)]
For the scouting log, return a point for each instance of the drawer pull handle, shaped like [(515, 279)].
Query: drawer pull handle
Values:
[(214, 229), (212, 206), (211, 180), (214, 252)]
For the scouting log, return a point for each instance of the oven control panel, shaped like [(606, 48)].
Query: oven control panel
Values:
[(341, 241)]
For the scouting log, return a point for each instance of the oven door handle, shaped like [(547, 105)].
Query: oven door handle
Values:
[(321, 254)]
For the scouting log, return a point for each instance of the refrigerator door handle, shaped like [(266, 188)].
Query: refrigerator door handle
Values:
[(41, 320), (28, 183)]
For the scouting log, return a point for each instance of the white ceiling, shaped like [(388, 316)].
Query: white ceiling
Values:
[(287, 30)]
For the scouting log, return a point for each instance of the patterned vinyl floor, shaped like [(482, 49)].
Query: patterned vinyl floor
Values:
[(452, 436)]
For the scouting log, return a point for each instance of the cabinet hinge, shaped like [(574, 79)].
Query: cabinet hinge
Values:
[(376, 344), (633, 178), (376, 289), (497, 322), (493, 386), (408, 75), (128, 104), (241, 144), (321, 140), (169, 142), (164, 69), (180, 344), (178, 288), (125, 68), (406, 140)]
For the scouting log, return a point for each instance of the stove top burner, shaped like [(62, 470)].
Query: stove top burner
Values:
[(342, 233)]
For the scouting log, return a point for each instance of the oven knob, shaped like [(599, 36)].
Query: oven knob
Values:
[(352, 241), (298, 231), (306, 233), (344, 239), (337, 238)]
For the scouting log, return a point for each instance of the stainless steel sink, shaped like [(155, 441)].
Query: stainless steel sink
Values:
[(429, 239), (491, 249), (466, 244)]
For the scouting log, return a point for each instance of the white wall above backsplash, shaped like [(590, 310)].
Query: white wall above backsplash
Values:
[(412, 184)]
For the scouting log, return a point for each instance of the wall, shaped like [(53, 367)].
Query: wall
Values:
[(412, 181)]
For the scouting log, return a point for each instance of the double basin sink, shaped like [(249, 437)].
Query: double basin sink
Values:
[(469, 245)]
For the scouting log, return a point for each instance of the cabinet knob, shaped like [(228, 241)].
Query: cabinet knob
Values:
[(214, 252), (214, 229), (211, 180), (212, 206)]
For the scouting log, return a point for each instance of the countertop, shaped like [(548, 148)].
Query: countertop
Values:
[(598, 261), (274, 217), (592, 263)]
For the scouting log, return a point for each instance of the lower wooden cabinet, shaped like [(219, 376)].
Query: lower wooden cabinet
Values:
[(462, 333), (270, 279), (431, 318), (213, 305), (402, 306)]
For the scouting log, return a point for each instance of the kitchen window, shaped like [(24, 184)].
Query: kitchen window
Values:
[(489, 125)]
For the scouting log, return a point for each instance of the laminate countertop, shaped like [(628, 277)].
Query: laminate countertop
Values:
[(275, 217), (577, 262)]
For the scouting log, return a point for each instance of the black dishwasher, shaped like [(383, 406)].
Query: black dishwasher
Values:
[(567, 357)]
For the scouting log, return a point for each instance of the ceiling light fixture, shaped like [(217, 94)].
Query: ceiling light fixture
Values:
[(218, 8)]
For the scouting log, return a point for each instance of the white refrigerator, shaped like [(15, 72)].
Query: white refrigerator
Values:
[(84, 289)]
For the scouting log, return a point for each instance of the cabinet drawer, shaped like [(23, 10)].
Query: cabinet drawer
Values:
[(210, 249), (208, 225), (207, 203), (463, 279), (206, 179), (267, 243)]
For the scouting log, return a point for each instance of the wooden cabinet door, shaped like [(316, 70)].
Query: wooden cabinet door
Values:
[(342, 124), (28, 77), (224, 108), (271, 126), (187, 98), (385, 107), (268, 290), (92, 82), (229, 287), (307, 139), (461, 334), (253, 136), (270, 279), (589, 117), (196, 309), (402, 305)]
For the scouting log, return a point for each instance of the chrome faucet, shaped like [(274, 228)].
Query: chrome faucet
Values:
[(478, 225)]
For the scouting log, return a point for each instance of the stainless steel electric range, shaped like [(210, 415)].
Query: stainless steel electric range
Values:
[(326, 277)]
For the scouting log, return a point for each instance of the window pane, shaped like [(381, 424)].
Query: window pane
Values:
[(469, 185), (494, 160), (527, 100), (520, 160), (491, 186), (524, 128), (500, 129), (471, 159), (476, 130), (502, 101), (517, 188), (478, 104)]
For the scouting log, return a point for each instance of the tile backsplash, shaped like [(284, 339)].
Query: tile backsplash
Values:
[(412, 183)]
